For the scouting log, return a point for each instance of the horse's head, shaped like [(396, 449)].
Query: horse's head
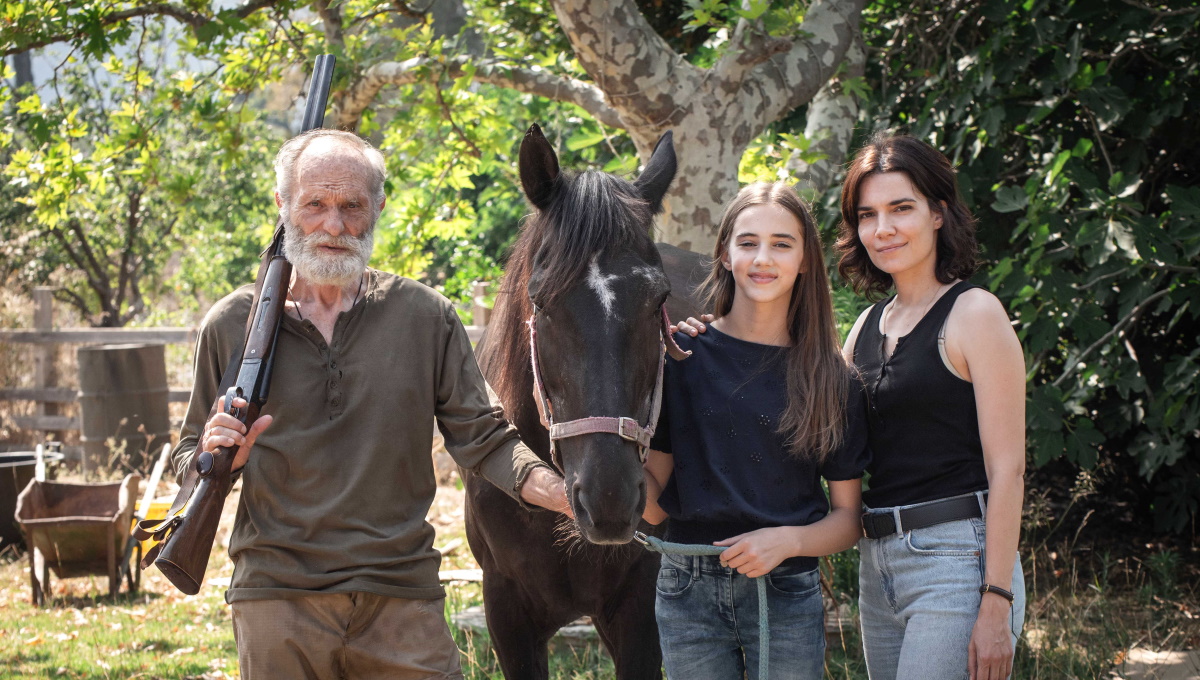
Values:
[(597, 289)]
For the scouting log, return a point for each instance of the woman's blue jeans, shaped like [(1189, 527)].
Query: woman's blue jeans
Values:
[(919, 598), (708, 621)]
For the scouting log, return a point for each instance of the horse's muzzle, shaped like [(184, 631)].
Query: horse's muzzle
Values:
[(607, 518)]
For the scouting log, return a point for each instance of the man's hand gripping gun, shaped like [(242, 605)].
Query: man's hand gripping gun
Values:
[(188, 532)]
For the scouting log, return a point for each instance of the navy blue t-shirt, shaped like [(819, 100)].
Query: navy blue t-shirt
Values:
[(733, 470)]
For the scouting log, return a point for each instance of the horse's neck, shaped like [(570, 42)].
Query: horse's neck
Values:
[(491, 353)]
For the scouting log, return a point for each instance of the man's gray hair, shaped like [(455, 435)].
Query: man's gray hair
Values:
[(285, 162)]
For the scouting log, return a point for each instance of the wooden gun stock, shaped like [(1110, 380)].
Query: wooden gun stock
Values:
[(188, 533), (184, 556)]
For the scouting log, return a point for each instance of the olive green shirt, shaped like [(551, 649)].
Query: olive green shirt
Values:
[(336, 489)]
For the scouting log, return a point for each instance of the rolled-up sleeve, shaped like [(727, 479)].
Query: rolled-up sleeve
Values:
[(214, 347), (477, 434)]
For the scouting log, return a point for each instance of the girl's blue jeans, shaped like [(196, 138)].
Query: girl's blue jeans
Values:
[(919, 598), (708, 621)]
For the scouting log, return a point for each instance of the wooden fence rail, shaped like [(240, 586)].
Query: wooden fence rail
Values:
[(48, 395)]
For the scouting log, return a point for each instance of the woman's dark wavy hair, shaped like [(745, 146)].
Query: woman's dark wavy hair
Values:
[(932, 175)]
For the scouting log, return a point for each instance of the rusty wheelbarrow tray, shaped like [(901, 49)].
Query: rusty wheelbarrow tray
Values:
[(79, 530)]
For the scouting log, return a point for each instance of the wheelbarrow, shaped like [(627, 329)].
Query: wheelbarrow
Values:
[(80, 530)]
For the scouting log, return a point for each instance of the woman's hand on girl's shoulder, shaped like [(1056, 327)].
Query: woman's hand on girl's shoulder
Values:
[(692, 326)]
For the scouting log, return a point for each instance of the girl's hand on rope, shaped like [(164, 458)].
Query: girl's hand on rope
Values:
[(756, 553), (692, 326)]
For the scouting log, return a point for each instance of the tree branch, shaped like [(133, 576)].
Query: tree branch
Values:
[(72, 298), (178, 12), (829, 125), (472, 149), (749, 47), (792, 79), (96, 278), (634, 67), (1118, 328), (132, 227), (492, 72), (331, 20)]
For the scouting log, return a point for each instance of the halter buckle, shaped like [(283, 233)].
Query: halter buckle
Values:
[(628, 428), (640, 538)]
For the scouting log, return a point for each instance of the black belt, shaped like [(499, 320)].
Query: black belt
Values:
[(880, 524)]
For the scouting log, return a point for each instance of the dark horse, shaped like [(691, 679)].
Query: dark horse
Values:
[(586, 271)]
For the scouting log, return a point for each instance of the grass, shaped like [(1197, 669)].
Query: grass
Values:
[(83, 633), (1086, 609)]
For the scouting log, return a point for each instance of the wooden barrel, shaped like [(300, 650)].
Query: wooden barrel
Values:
[(16, 469), (122, 396)]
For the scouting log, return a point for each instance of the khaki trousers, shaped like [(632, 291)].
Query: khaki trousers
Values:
[(339, 636)]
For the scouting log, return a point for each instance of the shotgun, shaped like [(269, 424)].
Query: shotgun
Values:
[(188, 532)]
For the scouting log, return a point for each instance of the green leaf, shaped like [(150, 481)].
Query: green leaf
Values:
[(622, 165), (1185, 201), (30, 104), (754, 9), (584, 139), (1010, 199)]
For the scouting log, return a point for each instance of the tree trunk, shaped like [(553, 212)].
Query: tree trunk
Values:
[(715, 113), (639, 84)]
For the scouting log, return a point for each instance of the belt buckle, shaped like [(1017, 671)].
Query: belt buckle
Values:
[(878, 524)]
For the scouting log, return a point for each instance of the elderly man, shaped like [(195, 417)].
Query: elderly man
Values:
[(335, 572)]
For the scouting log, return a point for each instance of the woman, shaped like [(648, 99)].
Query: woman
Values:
[(763, 409), (941, 588)]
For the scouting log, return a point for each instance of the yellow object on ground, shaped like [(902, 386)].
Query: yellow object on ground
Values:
[(158, 510)]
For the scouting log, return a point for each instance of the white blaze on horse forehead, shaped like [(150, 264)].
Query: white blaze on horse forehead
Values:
[(647, 272), (602, 284)]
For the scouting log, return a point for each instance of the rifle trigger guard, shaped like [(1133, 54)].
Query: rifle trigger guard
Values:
[(234, 392)]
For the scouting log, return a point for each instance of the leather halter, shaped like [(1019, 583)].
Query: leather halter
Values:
[(623, 426)]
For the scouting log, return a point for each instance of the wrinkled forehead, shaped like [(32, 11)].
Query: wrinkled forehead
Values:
[(623, 285), (332, 164)]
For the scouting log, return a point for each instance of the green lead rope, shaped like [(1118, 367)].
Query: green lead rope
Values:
[(764, 636)]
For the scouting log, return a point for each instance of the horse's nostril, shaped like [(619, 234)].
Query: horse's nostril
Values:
[(577, 502)]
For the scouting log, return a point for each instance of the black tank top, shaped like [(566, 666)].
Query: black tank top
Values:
[(924, 429)]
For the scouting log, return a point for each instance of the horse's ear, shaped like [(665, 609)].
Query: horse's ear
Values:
[(539, 167), (656, 178)]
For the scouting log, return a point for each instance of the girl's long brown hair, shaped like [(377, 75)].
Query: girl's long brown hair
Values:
[(817, 375)]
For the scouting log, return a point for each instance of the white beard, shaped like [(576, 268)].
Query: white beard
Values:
[(325, 269)]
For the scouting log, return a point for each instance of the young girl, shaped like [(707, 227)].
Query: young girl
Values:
[(763, 409), (941, 590)]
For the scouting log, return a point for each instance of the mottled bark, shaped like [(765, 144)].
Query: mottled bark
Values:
[(715, 113), (829, 125), (639, 84)]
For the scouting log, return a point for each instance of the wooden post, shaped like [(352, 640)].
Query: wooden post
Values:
[(45, 356), (479, 311)]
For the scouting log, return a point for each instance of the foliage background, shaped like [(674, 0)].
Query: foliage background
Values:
[(138, 180)]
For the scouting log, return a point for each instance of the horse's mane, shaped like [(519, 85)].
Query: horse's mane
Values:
[(593, 213)]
